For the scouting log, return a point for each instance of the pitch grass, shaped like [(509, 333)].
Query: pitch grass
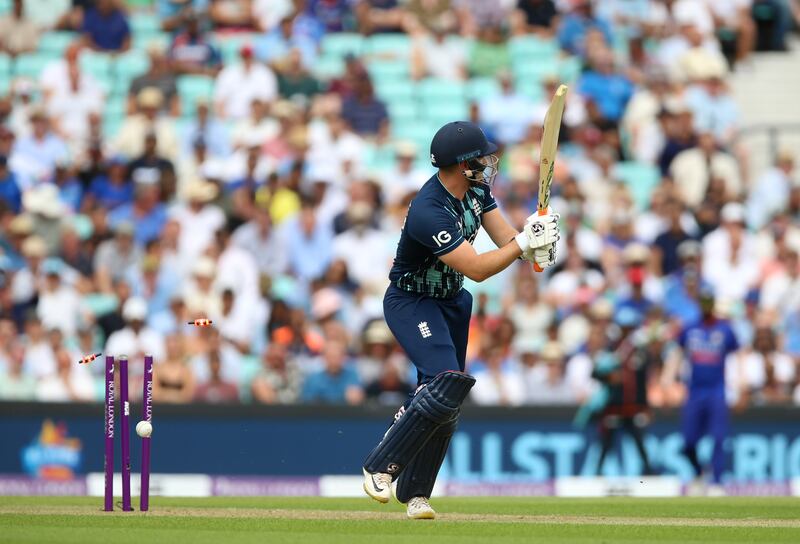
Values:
[(356, 521)]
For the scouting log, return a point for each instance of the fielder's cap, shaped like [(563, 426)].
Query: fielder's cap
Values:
[(732, 212), (459, 141), (134, 309)]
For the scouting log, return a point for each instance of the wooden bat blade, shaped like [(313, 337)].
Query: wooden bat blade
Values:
[(549, 145)]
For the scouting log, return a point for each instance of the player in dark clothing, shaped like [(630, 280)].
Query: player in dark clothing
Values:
[(428, 311)]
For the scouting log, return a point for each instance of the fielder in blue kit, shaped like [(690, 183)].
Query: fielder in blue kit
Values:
[(428, 310), (706, 345)]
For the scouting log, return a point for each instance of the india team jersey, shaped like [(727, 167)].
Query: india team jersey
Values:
[(706, 345), (436, 224)]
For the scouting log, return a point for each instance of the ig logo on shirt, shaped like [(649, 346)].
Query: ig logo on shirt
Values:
[(442, 238)]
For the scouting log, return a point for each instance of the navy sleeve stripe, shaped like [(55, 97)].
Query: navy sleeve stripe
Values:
[(449, 247)]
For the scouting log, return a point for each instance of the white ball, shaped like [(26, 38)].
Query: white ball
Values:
[(144, 429)]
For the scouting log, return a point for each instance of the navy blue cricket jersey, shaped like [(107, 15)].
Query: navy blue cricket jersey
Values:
[(436, 224)]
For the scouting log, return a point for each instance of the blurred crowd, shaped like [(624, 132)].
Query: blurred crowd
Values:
[(255, 169)]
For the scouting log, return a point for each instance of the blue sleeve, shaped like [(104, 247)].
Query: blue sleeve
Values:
[(434, 228), (352, 377)]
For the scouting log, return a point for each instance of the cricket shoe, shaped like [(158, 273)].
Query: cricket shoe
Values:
[(716, 490), (420, 508), (378, 485)]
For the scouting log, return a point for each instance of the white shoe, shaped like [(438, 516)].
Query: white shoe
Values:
[(696, 488), (378, 486), (420, 508), (716, 490)]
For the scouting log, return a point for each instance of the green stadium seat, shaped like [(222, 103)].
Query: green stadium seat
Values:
[(55, 42), (531, 47), (388, 70), (5, 6), (96, 64), (569, 69), (391, 91), (191, 89), (328, 67), (432, 89), (440, 112), (640, 178), (342, 44), (144, 23), (479, 88), (131, 65), (403, 110), (5, 66), (396, 45), (143, 41), (378, 160), (420, 132), (31, 64), (530, 87), (536, 68)]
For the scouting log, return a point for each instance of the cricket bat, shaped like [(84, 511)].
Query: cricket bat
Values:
[(547, 153)]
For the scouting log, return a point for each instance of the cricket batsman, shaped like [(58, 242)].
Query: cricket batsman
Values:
[(705, 345), (428, 310)]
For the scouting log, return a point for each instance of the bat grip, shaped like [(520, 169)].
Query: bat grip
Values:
[(536, 267)]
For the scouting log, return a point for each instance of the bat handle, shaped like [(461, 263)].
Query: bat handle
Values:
[(536, 267)]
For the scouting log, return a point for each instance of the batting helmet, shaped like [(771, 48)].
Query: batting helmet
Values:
[(457, 142)]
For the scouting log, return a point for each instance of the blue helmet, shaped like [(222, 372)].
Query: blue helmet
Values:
[(457, 142)]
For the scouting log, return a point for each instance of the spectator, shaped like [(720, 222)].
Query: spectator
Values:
[(605, 89), (432, 55), (152, 165), (534, 17), (34, 157), (146, 211), (294, 80), (10, 192), (18, 34), (59, 305), (545, 383), (131, 139), (198, 219), (390, 388), (308, 244), (207, 129), (726, 265), (231, 14), (508, 114), (136, 338), (275, 47), (238, 85), (111, 188), (497, 383), (337, 382), (216, 390), (199, 294), (665, 248), (259, 238), (780, 293), (15, 383), (489, 55), (70, 383), (363, 249), (191, 52), (279, 380), (159, 75), (366, 115), (116, 256), (768, 373), (173, 380), (695, 169), (577, 24), (105, 27), (770, 193)]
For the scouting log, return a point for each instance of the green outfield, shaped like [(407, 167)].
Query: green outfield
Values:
[(353, 521)]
